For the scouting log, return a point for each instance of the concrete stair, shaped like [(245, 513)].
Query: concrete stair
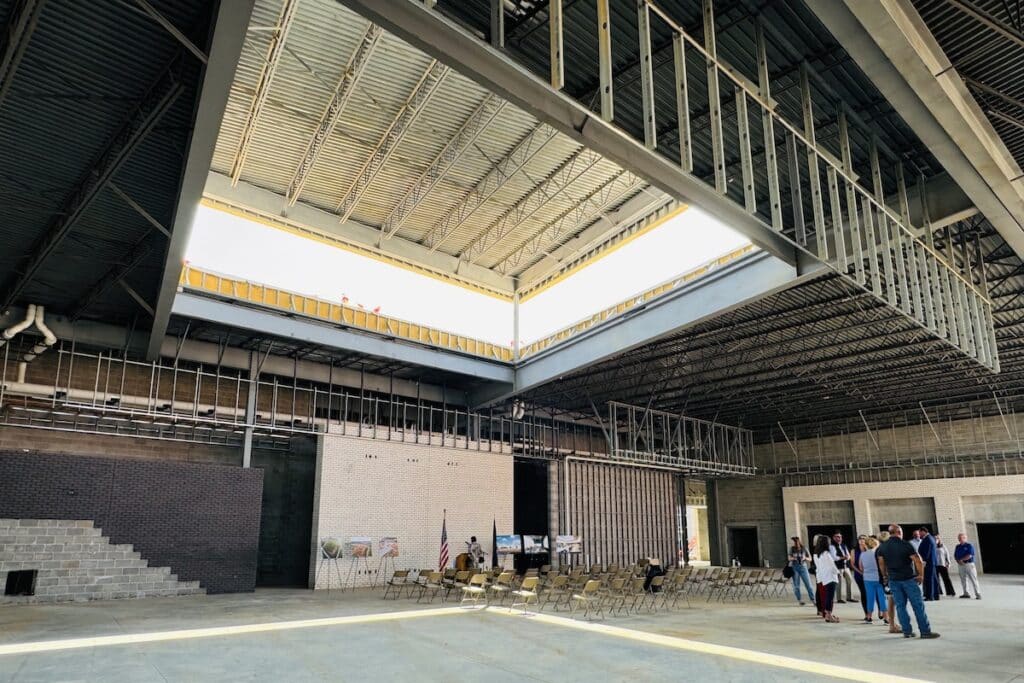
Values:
[(76, 562)]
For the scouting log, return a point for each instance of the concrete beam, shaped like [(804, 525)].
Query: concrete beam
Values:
[(228, 35), (274, 207), (449, 42), (893, 46), (746, 280), (291, 327)]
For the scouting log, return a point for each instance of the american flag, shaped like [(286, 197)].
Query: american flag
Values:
[(443, 560)]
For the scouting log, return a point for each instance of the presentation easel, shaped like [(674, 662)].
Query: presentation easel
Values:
[(353, 571), (386, 567), (330, 560)]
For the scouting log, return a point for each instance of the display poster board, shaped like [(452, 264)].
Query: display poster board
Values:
[(510, 544), (568, 544), (388, 546), (330, 548), (535, 544), (359, 546)]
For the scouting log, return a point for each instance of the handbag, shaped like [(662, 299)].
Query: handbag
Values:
[(787, 571)]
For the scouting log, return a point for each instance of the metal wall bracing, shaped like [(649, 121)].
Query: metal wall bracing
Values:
[(833, 195), (621, 513)]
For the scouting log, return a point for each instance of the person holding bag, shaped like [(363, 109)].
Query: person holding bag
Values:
[(797, 569)]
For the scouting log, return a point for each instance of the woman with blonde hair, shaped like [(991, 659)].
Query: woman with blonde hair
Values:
[(867, 567)]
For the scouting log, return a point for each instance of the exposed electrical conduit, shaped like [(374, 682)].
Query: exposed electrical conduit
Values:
[(37, 315)]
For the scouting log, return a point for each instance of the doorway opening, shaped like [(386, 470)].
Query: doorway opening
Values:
[(743, 545), (530, 509), (286, 519), (1001, 545)]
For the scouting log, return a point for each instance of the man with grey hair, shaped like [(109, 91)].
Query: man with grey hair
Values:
[(964, 556), (902, 569)]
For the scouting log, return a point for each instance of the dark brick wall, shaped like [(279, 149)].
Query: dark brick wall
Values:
[(202, 521)]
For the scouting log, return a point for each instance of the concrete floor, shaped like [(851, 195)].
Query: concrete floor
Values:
[(981, 641)]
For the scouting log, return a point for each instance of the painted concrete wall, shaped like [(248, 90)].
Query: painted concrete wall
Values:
[(958, 504), (367, 487)]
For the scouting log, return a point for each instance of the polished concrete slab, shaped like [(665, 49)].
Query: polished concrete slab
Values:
[(281, 635)]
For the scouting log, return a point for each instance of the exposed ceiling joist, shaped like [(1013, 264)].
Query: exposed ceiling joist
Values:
[(16, 37)]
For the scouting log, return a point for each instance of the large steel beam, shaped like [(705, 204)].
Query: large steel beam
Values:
[(891, 43), (159, 98), (271, 207), (723, 290), (225, 47), (16, 36), (444, 39), (292, 327)]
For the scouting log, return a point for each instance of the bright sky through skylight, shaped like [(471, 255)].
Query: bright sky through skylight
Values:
[(244, 249)]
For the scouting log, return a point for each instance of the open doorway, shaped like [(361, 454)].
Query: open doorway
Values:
[(1001, 545), (530, 508), (743, 545)]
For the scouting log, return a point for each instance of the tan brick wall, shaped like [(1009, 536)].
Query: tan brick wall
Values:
[(956, 502), (367, 487)]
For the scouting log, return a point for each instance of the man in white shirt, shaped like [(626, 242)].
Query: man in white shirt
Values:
[(841, 554), (916, 540)]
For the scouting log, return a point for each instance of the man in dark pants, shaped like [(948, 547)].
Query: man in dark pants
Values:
[(930, 557), (902, 570)]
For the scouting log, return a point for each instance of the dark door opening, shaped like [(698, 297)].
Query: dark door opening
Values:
[(1001, 545), (530, 508), (743, 546), (21, 582), (286, 520), (849, 538)]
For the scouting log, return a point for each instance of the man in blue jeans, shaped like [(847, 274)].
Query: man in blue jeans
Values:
[(903, 571)]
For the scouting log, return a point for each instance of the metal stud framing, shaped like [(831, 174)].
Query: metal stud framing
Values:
[(604, 49), (714, 95), (813, 171), (556, 27), (647, 75), (768, 123), (682, 103)]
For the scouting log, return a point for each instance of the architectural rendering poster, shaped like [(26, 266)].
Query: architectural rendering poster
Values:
[(510, 544), (388, 546), (534, 544), (568, 544), (330, 548), (359, 546)]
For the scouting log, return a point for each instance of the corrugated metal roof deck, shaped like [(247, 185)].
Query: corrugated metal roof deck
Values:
[(322, 38), (86, 68)]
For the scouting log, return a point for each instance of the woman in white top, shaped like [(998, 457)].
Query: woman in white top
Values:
[(827, 575)]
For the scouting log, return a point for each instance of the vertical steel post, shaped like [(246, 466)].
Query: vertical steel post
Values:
[(497, 23), (836, 206), (799, 227), (714, 97), (646, 74), (250, 409), (746, 161), (768, 124), (557, 29), (813, 171), (604, 49), (904, 236), (851, 199), (682, 102)]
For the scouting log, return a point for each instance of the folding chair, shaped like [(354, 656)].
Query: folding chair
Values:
[(558, 590), (475, 590), (501, 586), (397, 583), (431, 586), (654, 592), (526, 594), (589, 598), (459, 581)]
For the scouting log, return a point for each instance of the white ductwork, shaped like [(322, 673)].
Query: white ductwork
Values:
[(33, 315), (15, 329)]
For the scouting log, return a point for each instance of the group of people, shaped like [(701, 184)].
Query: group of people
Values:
[(888, 571)]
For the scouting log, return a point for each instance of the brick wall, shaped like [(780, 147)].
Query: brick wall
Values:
[(376, 488), (958, 504), (201, 520)]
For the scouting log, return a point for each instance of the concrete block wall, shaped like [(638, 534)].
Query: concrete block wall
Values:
[(201, 520), (965, 437), (74, 561), (754, 502), (958, 504), (374, 488)]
